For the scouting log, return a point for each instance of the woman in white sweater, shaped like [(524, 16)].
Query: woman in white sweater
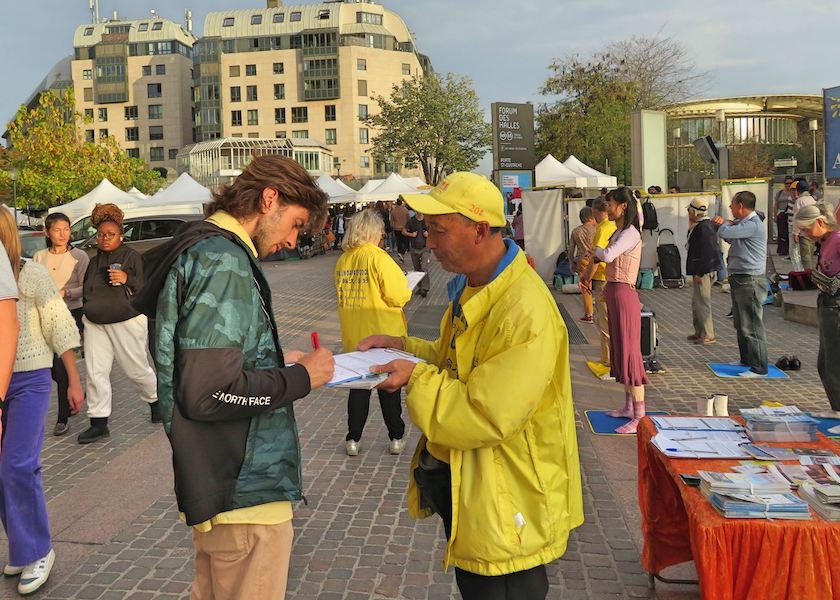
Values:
[(46, 328)]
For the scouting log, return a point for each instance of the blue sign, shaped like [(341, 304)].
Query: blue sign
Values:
[(509, 181), (831, 113)]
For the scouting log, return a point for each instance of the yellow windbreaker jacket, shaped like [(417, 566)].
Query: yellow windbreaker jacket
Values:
[(371, 290), (496, 391)]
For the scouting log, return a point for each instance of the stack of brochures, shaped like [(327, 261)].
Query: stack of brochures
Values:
[(693, 437), (810, 474), (779, 424), (352, 369), (752, 496), (824, 499)]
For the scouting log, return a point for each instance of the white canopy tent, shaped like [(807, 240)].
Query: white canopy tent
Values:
[(347, 189), (184, 190), (594, 177), (329, 186), (550, 171), (415, 182), (370, 186), (103, 193), (391, 189), (137, 193)]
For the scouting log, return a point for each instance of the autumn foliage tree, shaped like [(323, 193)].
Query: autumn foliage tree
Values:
[(56, 164), (434, 121)]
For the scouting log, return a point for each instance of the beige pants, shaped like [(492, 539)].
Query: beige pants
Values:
[(242, 562), (701, 306), (125, 342), (601, 320)]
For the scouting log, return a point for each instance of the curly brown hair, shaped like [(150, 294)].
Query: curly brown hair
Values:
[(242, 197), (104, 213)]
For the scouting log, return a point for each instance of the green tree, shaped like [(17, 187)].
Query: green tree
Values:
[(435, 122), (590, 99), (56, 164)]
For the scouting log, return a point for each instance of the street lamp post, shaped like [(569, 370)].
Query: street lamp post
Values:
[(13, 175), (813, 125)]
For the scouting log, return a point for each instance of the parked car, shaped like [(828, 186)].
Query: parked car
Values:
[(31, 242), (144, 233), (81, 228)]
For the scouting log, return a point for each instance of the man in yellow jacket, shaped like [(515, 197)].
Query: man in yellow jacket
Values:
[(498, 459)]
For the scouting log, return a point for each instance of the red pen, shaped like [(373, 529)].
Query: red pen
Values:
[(315, 342)]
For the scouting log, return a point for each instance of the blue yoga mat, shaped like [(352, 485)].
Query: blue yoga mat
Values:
[(602, 424), (727, 370), (826, 424)]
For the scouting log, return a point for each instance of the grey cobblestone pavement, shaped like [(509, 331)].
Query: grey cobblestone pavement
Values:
[(354, 539)]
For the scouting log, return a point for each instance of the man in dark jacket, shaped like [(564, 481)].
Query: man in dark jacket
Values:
[(702, 263), (225, 391)]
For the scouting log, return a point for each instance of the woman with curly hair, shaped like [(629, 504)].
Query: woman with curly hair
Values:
[(113, 328), (46, 329)]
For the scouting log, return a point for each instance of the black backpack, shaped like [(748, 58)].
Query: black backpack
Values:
[(649, 215)]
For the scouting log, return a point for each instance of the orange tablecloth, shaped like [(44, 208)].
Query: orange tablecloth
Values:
[(736, 559)]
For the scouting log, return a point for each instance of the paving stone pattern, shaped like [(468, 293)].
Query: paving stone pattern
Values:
[(353, 539)]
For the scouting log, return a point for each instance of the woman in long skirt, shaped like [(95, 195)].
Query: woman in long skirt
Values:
[(623, 255)]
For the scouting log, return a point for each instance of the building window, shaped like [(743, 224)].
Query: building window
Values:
[(406, 69), (254, 134), (250, 70), (253, 117), (227, 22), (103, 114), (324, 13), (233, 71), (362, 87), (294, 17), (103, 133), (364, 162), (300, 134), (363, 135), (90, 135), (329, 112), (256, 19), (160, 69), (155, 90), (89, 113), (251, 91), (156, 154), (279, 115), (132, 134), (87, 94), (331, 136), (158, 25), (278, 68), (131, 113), (235, 94), (156, 132), (300, 114), (279, 18), (156, 111), (173, 153), (143, 27), (366, 17), (280, 134), (361, 64), (88, 31), (279, 91), (87, 74), (147, 70), (133, 152), (236, 118), (363, 112)]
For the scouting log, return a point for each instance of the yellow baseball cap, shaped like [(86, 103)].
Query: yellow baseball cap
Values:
[(468, 194)]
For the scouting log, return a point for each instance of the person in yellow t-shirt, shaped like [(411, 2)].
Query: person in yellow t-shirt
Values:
[(594, 277), (372, 291)]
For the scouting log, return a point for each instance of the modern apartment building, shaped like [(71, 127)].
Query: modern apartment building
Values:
[(133, 80), (303, 72)]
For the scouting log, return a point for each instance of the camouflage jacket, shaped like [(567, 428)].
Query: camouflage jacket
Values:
[(225, 394)]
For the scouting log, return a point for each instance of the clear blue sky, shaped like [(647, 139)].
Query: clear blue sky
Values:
[(747, 46)]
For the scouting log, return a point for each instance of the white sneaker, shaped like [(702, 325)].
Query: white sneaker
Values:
[(352, 448), (396, 446), (35, 574), (750, 374), (12, 571)]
